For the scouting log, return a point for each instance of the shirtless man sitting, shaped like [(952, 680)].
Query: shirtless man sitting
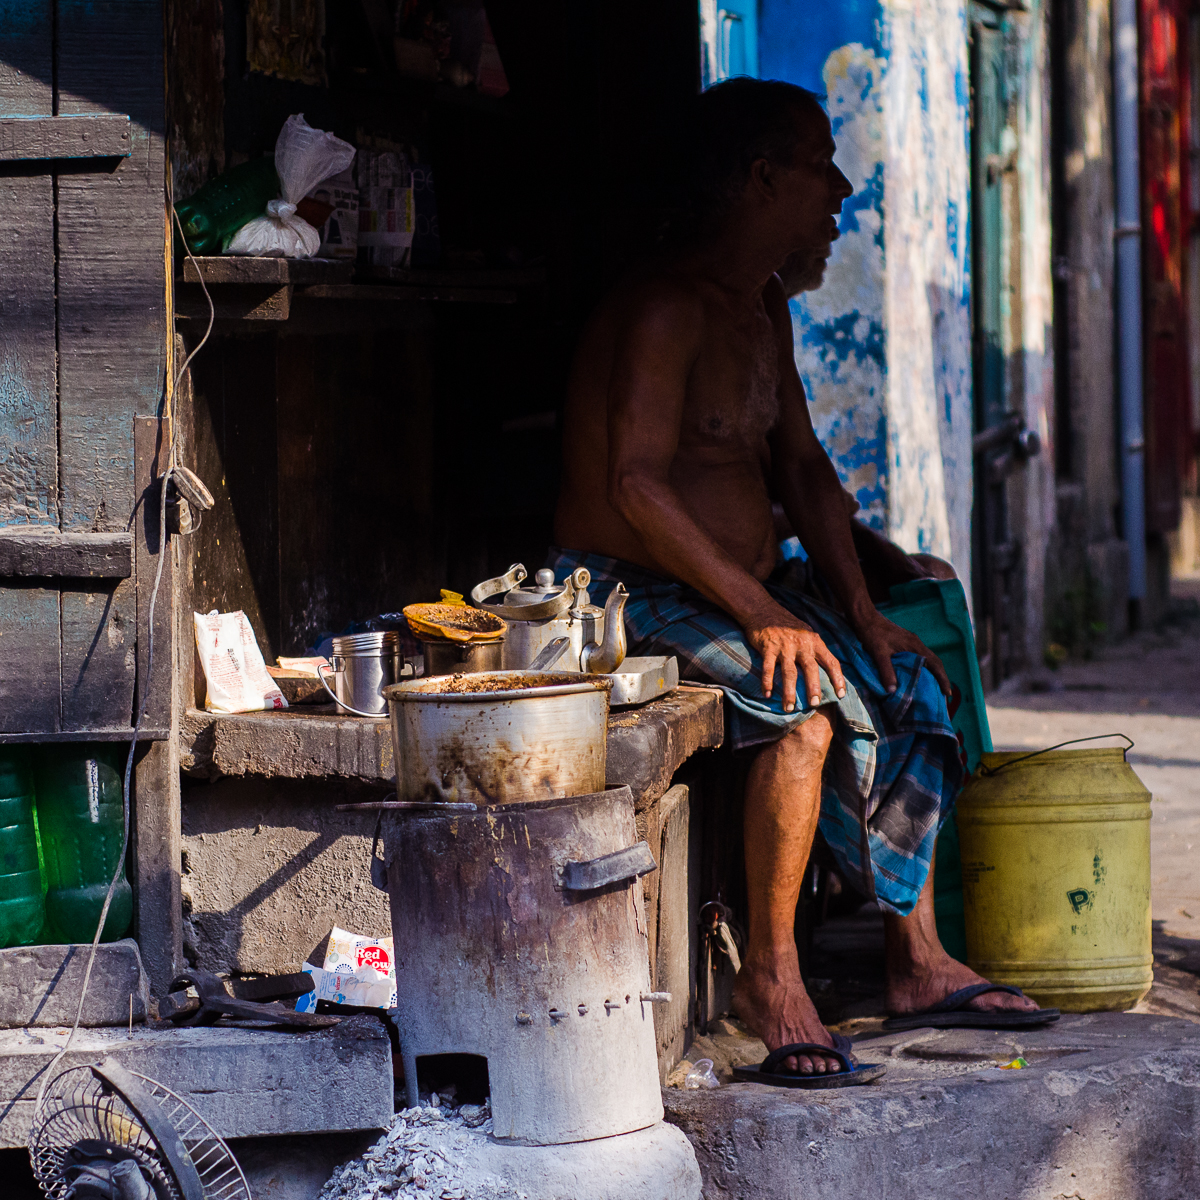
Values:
[(685, 414)]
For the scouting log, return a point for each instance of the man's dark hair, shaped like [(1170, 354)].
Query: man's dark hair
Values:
[(730, 127)]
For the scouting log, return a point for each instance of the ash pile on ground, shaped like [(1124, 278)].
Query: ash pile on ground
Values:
[(423, 1156)]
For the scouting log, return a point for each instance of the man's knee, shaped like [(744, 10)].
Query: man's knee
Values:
[(811, 738)]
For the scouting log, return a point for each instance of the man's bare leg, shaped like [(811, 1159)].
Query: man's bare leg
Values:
[(783, 802), (921, 974)]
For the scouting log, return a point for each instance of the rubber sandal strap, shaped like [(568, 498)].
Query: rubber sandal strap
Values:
[(770, 1064), (961, 998)]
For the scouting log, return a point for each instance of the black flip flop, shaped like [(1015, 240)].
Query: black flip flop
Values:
[(952, 1013), (850, 1075)]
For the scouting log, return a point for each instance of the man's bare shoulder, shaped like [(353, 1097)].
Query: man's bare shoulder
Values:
[(657, 304)]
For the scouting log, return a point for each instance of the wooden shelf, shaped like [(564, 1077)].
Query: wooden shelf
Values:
[(277, 272), (264, 289)]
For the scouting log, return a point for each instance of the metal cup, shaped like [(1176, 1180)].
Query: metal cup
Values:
[(363, 664)]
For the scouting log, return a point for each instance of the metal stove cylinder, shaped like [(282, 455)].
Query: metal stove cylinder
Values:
[(496, 957)]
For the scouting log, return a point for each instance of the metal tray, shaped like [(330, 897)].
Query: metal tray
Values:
[(643, 679)]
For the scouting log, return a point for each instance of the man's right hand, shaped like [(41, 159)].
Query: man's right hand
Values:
[(797, 650)]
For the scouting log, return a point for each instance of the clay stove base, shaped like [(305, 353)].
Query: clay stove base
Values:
[(657, 1163)]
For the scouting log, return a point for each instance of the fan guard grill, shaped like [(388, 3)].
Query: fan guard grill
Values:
[(79, 1106)]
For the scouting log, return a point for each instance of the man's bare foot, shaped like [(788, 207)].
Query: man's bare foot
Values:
[(772, 1001), (922, 985), (921, 974)]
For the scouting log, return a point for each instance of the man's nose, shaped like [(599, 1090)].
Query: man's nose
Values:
[(843, 188)]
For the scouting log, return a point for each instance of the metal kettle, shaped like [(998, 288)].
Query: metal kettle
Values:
[(556, 625)]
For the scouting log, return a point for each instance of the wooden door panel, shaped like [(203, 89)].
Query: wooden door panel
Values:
[(28, 437), (110, 269), (82, 347), (29, 643)]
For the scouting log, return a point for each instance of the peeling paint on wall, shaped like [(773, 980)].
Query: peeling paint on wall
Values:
[(884, 347), (839, 329)]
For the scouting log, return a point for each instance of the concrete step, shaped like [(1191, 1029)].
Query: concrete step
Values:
[(246, 1082), (39, 985), (1108, 1109)]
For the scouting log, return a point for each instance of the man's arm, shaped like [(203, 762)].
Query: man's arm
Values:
[(815, 503), (656, 350)]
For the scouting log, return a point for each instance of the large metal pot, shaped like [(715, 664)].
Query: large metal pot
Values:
[(499, 737)]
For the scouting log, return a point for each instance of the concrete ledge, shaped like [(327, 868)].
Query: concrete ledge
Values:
[(646, 746), (244, 1082), (292, 744), (39, 985), (1108, 1110)]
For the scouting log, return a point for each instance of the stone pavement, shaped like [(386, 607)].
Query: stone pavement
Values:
[(1109, 1108)]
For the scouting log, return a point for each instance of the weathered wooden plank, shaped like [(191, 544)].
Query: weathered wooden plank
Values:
[(121, 734), (250, 302), (99, 135), (27, 64), (99, 662), (232, 268), (150, 459), (29, 660), (28, 437), (111, 261), (158, 906), (37, 550), (29, 638)]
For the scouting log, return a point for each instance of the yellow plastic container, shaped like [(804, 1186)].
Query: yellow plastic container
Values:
[(1056, 878)]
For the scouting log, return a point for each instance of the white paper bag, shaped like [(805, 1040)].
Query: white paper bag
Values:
[(234, 671)]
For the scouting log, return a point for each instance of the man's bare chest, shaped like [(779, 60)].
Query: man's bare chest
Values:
[(732, 394)]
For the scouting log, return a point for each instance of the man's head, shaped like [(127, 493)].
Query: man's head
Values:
[(763, 150)]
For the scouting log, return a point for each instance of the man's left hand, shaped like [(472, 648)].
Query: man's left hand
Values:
[(881, 639)]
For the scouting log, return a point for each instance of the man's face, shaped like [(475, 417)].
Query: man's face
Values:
[(809, 192)]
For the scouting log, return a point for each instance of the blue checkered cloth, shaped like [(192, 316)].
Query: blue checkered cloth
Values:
[(893, 770)]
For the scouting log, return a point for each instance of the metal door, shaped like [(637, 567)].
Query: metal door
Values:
[(994, 554), (1168, 435), (82, 352)]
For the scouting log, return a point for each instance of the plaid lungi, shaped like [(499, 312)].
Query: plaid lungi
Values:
[(893, 768)]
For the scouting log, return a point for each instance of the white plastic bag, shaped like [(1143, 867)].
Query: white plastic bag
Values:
[(233, 665), (303, 157)]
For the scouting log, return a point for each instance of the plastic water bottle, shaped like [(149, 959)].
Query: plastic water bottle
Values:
[(214, 213), (81, 821), (22, 908)]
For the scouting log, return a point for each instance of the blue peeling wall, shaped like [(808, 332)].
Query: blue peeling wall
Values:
[(884, 347)]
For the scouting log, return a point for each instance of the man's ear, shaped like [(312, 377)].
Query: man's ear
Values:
[(763, 178)]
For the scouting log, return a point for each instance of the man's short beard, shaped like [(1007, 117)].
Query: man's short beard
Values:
[(802, 272)]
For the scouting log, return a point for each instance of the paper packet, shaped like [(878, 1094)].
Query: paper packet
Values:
[(358, 970), (234, 672)]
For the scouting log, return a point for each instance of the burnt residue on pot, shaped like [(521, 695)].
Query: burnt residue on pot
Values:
[(489, 683), (494, 738)]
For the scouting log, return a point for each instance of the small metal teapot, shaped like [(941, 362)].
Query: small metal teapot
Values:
[(556, 625)]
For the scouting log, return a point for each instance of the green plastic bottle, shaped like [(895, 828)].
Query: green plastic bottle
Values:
[(81, 821), (211, 216), (22, 907)]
